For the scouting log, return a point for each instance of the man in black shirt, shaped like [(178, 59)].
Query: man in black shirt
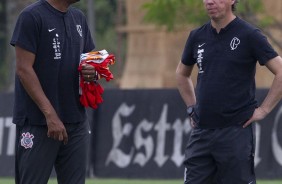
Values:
[(223, 106), (51, 123)]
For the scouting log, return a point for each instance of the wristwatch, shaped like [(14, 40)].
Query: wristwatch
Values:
[(190, 110)]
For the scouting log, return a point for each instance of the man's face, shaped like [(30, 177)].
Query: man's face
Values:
[(218, 9)]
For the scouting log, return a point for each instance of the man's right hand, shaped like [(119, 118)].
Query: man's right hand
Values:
[(28, 77), (56, 129)]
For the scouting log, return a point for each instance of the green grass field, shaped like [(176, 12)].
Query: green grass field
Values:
[(127, 181)]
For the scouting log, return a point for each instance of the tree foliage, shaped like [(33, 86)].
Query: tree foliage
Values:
[(170, 13), (174, 12)]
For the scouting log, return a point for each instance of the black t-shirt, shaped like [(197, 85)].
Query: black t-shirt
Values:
[(225, 90), (57, 39)]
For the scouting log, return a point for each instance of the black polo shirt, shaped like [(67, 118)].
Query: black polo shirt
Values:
[(225, 90), (57, 39)]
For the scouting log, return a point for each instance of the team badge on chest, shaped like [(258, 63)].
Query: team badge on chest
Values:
[(234, 43), (79, 30), (26, 140)]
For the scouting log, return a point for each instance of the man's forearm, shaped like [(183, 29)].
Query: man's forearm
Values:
[(33, 87), (186, 90), (274, 95)]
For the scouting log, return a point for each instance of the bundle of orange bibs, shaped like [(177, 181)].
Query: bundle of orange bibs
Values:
[(91, 92)]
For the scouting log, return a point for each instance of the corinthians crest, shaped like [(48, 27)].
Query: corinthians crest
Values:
[(234, 43), (26, 140), (79, 30)]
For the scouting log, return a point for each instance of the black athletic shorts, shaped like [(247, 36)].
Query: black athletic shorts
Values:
[(220, 156), (36, 155)]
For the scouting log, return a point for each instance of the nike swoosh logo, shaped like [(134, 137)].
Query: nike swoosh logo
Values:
[(50, 30), (201, 45), (251, 182)]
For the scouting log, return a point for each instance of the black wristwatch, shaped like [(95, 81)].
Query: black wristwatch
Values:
[(190, 110)]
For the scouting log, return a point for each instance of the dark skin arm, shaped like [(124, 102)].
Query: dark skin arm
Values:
[(29, 80)]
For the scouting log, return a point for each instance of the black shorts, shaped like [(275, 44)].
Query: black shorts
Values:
[(36, 155), (220, 156)]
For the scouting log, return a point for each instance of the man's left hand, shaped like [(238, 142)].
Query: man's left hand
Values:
[(88, 72), (258, 114)]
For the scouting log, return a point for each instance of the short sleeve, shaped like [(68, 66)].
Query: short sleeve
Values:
[(187, 55), (26, 32), (89, 44), (261, 48)]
